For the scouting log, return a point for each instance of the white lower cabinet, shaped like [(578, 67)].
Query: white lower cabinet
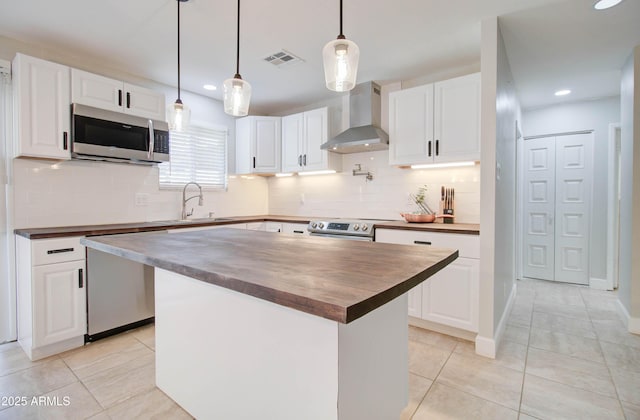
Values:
[(450, 297), (295, 229), (52, 300), (59, 300)]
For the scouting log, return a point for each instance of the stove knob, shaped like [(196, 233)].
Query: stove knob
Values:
[(321, 225), (365, 227), (314, 225), (356, 227)]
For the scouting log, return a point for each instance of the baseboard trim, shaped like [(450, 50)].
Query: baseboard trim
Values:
[(599, 284), (632, 323), (442, 329), (488, 347)]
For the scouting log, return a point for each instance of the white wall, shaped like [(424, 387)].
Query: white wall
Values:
[(500, 112), (578, 116), (629, 286), (7, 281), (84, 192), (345, 195)]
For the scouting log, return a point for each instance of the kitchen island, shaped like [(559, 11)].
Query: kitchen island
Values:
[(260, 325)]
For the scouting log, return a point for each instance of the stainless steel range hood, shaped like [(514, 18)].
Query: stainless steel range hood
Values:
[(365, 134)]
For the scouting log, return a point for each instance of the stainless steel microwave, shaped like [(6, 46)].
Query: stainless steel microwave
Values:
[(98, 134)]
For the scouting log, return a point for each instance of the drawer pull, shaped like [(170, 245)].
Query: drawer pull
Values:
[(298, 231), (59, 251), (80, 278), (422, 242)]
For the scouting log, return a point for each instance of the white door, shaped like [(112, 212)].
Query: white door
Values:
[(59, 301), (411, 126), (97, 91), (450, 296), (539, 208), (557, 203), (267, 147), (315, 134), (43, 104), (457, 119), (573, 203), (144, 102), (415, 301), (292, 132)]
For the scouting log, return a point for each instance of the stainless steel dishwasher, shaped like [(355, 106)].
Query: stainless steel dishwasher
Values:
[(120, 294)]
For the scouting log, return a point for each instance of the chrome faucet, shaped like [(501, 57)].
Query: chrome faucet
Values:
[(185, 199)]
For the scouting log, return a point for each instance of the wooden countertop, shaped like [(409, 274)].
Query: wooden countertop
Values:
[(91, 230), (462, 228), (336, 279)]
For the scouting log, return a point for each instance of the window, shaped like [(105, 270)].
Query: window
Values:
[(198, 154)]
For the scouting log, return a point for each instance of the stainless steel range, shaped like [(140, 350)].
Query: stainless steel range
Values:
[(360, 230)]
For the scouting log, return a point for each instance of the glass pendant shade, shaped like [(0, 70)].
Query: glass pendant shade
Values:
[(237, 94), (178, 116), (340, 58)]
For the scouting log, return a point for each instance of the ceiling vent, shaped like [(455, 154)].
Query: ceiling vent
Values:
[(283, 58)]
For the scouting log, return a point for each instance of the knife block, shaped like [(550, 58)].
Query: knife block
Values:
[(447, 211)]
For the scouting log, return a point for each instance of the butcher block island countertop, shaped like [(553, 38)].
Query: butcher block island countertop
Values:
[(332, 278), (254, 324)]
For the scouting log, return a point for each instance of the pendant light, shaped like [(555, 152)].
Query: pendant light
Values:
[(178, 113), (237, 92), (340, 58)]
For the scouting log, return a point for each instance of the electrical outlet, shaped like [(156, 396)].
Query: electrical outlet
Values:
[(142, 199)]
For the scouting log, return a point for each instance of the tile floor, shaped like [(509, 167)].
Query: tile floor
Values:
[(565, 355)]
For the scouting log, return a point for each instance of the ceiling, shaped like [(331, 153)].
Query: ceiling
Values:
[(569, 45)]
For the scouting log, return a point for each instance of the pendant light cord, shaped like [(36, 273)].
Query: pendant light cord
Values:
[(341, 18), (237, 76), (179, 1)]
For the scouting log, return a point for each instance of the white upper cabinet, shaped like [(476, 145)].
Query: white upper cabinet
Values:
[(411, 125), (457, 119), (42, 101), (258, 145), (435, 123), (114, 95), (302, 136), (292, 138)]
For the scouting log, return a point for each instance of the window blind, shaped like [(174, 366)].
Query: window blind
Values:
[(198, 154)]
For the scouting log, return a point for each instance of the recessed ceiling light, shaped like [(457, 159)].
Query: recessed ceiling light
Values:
[(563, 92), (209, 87), (605, 4)]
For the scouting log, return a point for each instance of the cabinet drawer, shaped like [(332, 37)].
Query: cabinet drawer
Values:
[(467, 245), (50, 251)]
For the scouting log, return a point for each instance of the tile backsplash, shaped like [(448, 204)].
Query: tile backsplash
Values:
[(82, 192), (385, 197)]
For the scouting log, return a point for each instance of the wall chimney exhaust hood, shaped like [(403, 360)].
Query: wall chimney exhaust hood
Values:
[(365, 134)]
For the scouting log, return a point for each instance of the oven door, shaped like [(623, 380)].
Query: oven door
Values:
[(350, 237)]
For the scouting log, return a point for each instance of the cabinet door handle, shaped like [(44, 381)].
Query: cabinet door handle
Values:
[(304, 159), (128, 99), (59, 251), (422, 242), (119, 97), (429, 148), (299, 160), (437, 147), (80, 278), (254, 162), (65, 140)]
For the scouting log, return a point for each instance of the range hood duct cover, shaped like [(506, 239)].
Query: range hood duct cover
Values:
[(365, 134)]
